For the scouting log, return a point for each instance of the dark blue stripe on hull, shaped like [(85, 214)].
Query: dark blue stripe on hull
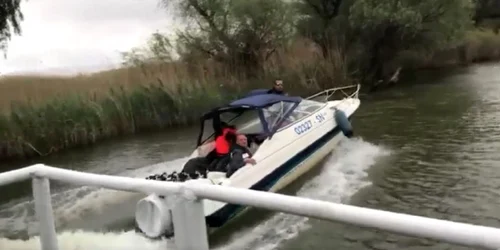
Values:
[(221, 216)]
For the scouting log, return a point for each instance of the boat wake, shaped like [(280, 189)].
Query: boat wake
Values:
[(81, 240), (343, 174), (75, 204)]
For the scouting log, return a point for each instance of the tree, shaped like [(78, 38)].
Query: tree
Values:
[(486, 9), (158, 49), (386, 27), (238, 33), (10, 20), (317, 22)]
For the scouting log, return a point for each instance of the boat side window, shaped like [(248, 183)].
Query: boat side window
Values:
[(304, 109), (307, 107), (248, 122), (276, 112), (208, 131)]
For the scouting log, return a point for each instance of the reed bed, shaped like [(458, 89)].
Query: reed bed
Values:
[(44, 115), (41, 115)]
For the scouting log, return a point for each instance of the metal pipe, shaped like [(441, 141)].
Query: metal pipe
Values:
[(452, 232), (448, 231), (16, 175), (44, 213), (111, 182), (189, 224)]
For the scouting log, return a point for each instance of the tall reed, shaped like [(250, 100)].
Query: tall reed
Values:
[(43, 115), (85, 109)]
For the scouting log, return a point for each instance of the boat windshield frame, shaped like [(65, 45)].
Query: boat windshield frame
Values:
[(287, 105), (246, 104)]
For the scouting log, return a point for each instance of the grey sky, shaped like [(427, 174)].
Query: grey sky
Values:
[(68, 36)]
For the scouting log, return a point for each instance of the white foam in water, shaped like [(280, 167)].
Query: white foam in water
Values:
[(342, 176), (73, 204), (80, 240)]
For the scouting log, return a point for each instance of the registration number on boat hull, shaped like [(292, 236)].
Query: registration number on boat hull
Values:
[(303, 127), (308, 124)]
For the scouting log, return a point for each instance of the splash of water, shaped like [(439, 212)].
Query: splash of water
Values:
[(343, 175), (79, 240), (74, 204)]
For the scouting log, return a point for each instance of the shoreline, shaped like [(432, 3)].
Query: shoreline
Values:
[(60, 114)]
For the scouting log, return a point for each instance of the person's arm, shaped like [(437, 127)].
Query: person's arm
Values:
[(237, 161), (248, 152)]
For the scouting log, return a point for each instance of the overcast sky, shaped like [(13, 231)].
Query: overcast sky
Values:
[(64, 36)]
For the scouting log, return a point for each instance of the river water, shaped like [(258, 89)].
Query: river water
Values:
[(427, 149)]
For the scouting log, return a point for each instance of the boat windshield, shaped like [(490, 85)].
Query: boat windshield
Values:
[(248, 121), (304, 109)]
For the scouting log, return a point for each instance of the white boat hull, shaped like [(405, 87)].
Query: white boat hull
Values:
[(289, 154), (279, 164)]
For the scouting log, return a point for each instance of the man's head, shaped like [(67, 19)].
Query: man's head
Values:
[(278, 84), (241, 140)]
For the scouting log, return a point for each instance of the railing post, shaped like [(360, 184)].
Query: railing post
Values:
[(44, 213), (190, 229)]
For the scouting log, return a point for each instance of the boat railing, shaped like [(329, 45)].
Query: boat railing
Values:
[(330, 92), (189, 218)]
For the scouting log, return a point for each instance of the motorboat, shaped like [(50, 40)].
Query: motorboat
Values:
[(295, 134)]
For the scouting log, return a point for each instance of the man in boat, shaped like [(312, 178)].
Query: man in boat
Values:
[(225, 135), (277, 88), (239, 155)]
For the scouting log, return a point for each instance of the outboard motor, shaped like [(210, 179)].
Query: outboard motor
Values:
[(153, 217), (153, 214), (343, 123)]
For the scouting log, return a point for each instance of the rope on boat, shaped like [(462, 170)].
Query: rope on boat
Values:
[(176, 177)]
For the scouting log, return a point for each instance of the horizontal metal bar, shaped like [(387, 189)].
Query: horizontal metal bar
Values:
[(448, 231), (88, 179), (452, 232), (107, 181), (17, 175)]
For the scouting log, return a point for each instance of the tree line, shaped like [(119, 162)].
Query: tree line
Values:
[(243, 34)]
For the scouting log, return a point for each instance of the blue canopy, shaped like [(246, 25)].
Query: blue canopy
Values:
[(255, 100), (263, 100)]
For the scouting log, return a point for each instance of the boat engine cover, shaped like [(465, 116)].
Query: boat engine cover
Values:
[(153, 216)]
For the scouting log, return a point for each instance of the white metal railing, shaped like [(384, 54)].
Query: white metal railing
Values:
[(188, 215), (331, 91)]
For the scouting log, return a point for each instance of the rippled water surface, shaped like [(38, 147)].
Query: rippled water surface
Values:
[(430, 149), (444, 136)]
